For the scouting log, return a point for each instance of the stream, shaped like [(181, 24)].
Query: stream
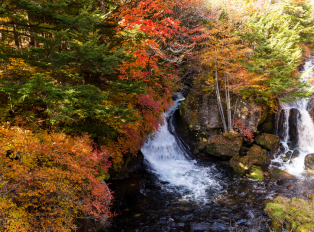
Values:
[(176, 191)]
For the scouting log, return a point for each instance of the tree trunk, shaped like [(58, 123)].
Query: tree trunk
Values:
[(228, 106), (219, 99)]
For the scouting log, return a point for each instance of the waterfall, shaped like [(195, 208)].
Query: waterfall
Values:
[(295, 128), (169, 158)]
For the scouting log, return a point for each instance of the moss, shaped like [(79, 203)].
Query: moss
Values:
[(256, 173), (291, 214)]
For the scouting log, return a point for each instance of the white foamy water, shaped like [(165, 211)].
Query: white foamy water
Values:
[(170, 161), (305, 129)]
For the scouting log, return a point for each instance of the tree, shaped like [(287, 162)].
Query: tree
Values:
[(48, 181)]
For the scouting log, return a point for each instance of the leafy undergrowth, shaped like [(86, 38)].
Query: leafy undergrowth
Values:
[(292, 214)]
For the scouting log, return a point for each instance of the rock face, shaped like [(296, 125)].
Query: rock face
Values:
[(268, 141), (309, 163), (200, 111), (218, 145), (249, 112)]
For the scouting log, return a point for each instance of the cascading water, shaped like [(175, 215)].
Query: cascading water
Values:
[(171, 162), (296, 131)]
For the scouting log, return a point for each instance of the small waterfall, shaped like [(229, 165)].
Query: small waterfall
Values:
[(295, 128), (171, 161)]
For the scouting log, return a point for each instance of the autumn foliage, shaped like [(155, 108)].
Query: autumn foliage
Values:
[(90, 81), (50, 180)]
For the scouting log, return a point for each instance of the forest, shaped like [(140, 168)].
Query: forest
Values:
[(84, 84)]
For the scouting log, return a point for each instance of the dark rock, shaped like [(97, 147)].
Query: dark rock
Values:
[(258, 156), (244, 150), (218, 145), (287, 156), (268, 141), (267, 127), (309, 163), (294, 117), (202, 143), (295, 153), (277, 174), (240, 164)]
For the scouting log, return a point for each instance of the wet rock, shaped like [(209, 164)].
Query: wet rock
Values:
[(268, 141), (258, 156), (309, 163), (287, 156), (277, 174), (294, 117), (295, 153), (240, 164), (291, 214), (256, 173), (218, 145)]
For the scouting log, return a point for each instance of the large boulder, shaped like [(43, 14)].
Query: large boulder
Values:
[(309, 163), (268, 141), (255, 156), (240, 164), (218, 145), (258, 156), (277, 174)]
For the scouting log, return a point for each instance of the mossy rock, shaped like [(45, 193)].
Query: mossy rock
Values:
[(240, 164), (309, 161), (268, 141), (202, 143), (256, 173), (258, 156), (267, 127), (219, 146), (277, 174), (291, 214)]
